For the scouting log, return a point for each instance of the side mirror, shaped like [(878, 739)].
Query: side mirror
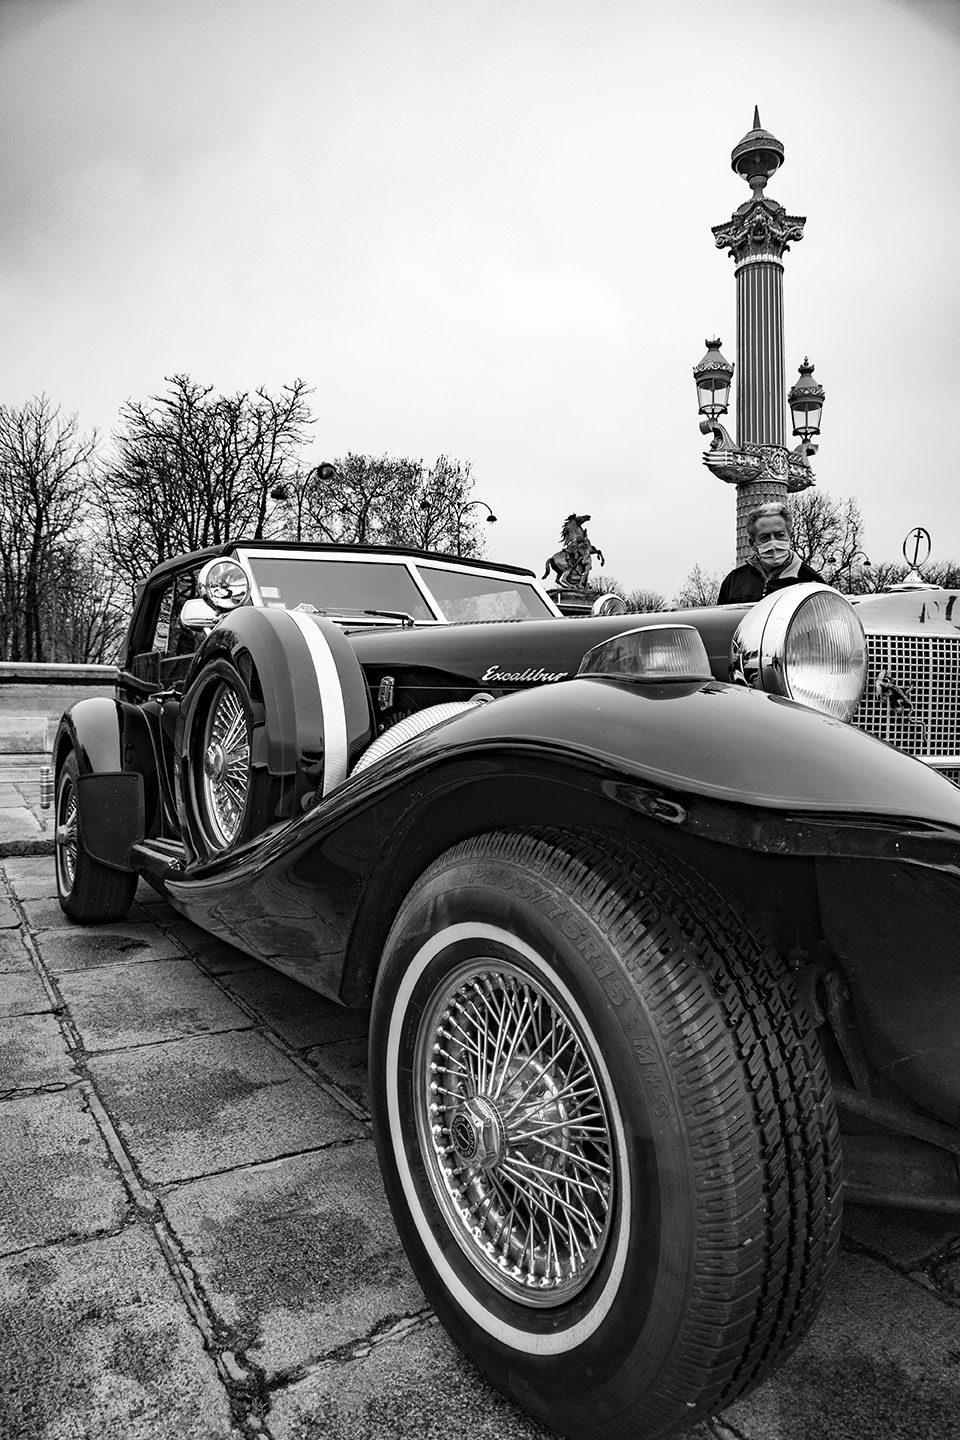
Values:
[(198, 615)]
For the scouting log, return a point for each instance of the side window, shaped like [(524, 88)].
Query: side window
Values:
[(180, 640), (161, 630), (168, 645)]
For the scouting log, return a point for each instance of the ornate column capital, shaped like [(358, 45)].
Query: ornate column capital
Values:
[(758, 230)]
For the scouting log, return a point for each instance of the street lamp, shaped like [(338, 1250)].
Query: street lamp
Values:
[(805, 398), (713, 376), (757, 236), (753, 461), (491, 519), (290, 492), (847, 564)]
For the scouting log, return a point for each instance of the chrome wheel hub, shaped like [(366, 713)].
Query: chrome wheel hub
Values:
[(476, 1133), (214, 762), (515, 1130)]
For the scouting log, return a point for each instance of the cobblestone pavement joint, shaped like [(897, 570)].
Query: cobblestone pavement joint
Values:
[(194, 1241)]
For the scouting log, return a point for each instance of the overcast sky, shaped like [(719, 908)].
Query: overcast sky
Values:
[(482, 228)]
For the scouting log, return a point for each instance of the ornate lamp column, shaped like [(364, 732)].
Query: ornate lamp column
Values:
[(757, 236)]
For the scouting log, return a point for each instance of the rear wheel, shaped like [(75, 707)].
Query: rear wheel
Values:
[(605, 1129), (88, 891)]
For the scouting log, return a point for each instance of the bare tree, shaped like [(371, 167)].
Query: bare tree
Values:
[(873, 578), (370, 500), (83, 615), (828, 535), (943, 572), (640, 601), (699, 588), (191, 469), (45, 468), (644, 601)]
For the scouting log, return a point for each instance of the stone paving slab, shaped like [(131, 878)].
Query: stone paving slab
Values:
[(31, 876), (300, 1016), (22, 993), (216, 956), (86, 947), (345, 1064), (33, 1052), (197, 1106), (298, 1258), (906, 1238), (420, 1385), (96, 1342), (14, 955), (46, 914), (882, 1360), (19, 823), (119, 1006), (9, 918), (56, 1180)]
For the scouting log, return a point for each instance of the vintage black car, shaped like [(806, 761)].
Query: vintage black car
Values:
[(661, 951)]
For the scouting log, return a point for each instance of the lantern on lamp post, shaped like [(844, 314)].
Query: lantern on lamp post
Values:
[(805, 398)]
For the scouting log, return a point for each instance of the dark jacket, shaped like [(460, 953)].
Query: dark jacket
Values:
[(751, 582)]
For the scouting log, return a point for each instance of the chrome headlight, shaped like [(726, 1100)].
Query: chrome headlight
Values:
[(805, 642), (224, 584)]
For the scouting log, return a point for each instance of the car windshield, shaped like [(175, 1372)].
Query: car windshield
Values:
[(387, 586), (331, 584), (471, 596)]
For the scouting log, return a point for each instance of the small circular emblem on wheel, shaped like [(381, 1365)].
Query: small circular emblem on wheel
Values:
[(464, 1137), (476, 1133)]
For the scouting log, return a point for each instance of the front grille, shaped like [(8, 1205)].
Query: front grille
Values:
[(912, 695)]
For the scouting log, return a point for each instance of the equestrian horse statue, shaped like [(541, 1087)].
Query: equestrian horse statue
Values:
[(572, 564)]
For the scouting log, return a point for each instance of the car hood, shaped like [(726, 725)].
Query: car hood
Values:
[(511, 655)]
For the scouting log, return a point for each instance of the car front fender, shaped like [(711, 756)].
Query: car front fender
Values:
[(710, 769), (705, 741)]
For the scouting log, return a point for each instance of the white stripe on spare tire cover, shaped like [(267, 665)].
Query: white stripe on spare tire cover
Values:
[(333, 710)]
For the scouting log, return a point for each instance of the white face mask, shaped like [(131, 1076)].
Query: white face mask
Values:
[(773, 553)]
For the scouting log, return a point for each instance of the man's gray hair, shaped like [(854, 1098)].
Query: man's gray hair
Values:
[(775, 507)]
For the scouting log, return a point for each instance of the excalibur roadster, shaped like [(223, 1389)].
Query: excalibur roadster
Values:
[(661, 951)]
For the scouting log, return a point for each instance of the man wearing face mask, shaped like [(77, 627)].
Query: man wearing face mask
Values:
[(773, 564)]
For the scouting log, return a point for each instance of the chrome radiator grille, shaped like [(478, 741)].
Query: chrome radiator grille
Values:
[(924, 718)]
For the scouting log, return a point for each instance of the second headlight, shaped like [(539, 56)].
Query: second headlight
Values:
[(805, 642)]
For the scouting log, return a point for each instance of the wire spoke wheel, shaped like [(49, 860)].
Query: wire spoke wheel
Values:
[(67, 834), (89, 892), (225, 777), (514, 1129)]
